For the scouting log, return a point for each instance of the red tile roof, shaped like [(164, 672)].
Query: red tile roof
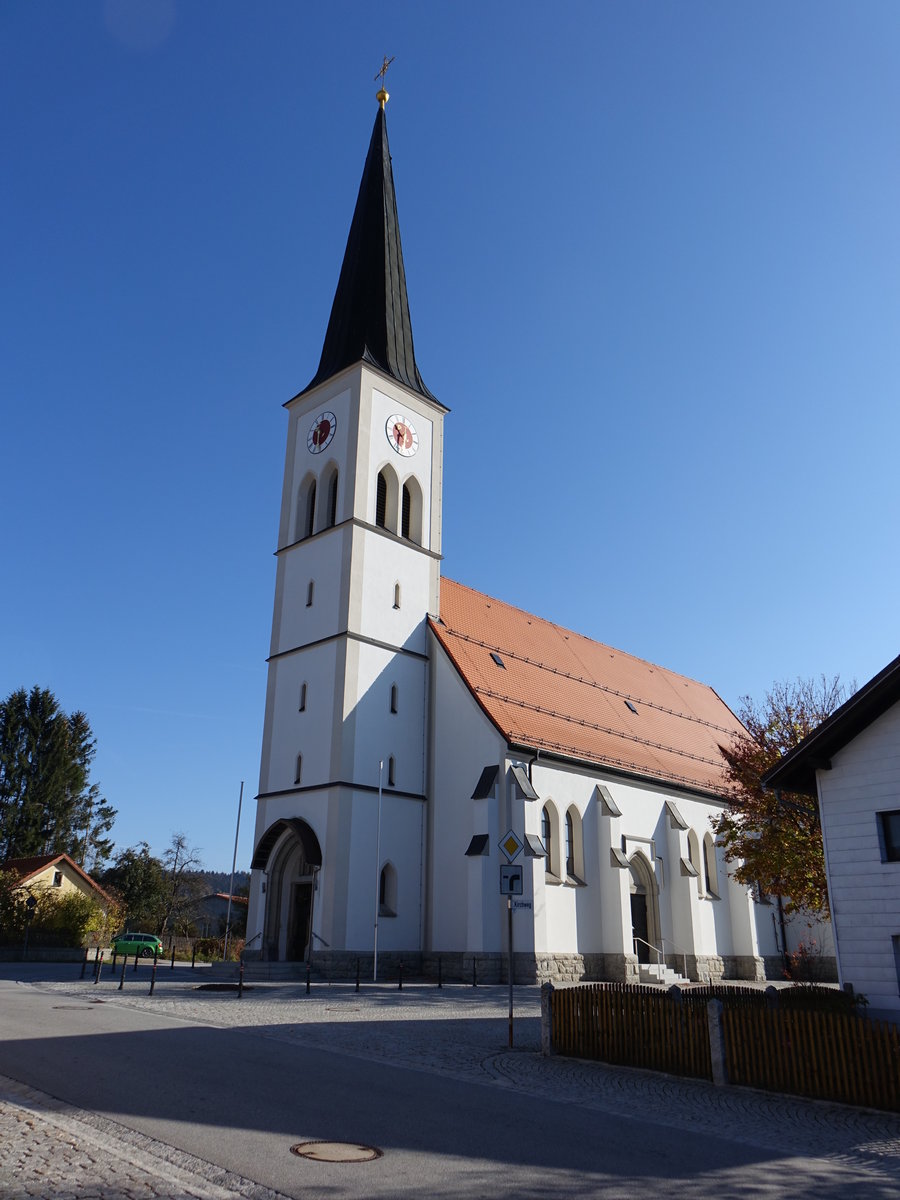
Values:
[(563, 693), (25, 868)]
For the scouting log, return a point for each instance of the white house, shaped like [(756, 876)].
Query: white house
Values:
[(851, 764), (412, 723)]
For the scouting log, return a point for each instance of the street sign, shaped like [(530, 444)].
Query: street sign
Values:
[(518, 905), (511, 845), (511, 881)]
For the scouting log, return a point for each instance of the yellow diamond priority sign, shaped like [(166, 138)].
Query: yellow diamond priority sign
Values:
[(511, 845)]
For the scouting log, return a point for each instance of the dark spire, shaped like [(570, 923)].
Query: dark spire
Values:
[(369, 319)]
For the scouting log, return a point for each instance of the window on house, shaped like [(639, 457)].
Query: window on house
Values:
[(393, 697), (693, 849), (57, 878), (547, 838), (396, 595), (302, 697), (381, 500), (391, 772), (309, 594), (310, 510), (332, 500), (570, 845), (298, 769), (889, 835)]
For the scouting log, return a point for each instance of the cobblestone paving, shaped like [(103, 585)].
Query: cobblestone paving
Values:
[(51, 1151), (462, 1032)]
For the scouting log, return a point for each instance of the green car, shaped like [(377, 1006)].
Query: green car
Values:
[(143, 944)]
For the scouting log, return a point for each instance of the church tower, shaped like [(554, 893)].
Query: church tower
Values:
[(358, 572)]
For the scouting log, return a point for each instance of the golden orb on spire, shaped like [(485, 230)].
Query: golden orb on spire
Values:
[(381, 95)]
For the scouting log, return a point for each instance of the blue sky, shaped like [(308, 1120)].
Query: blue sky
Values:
[(653, 259)]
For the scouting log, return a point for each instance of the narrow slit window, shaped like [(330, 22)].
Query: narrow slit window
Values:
[(392, 771), (298, 769), (570, 845), (393, 697), (547, 839), (302, 697), (396, 595), (309, 593)]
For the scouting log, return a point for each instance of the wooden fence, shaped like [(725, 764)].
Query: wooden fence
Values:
[(821, 1054)]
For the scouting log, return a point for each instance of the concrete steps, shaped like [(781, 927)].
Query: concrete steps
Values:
[(660, 975)]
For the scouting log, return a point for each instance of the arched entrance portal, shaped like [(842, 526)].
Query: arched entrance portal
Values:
[(644, 909), (289, 853)]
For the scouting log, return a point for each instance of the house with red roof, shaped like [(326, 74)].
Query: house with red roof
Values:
[(56, 873), (443, 774)]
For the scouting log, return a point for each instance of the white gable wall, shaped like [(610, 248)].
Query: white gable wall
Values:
[(864, 891)]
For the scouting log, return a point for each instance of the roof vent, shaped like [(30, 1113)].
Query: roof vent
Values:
[(498, 660), (631, 707)]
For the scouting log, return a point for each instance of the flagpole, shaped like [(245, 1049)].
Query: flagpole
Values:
[(377, 871), (233, 865)]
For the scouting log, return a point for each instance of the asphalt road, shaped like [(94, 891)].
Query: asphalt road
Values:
[(239, 1099)]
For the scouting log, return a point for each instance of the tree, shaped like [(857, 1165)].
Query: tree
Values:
[(183, 887), (775, 840), (47, 803), (138, 881)]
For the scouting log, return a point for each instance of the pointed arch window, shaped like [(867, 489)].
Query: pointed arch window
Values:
[(547, 838), (387, 891), (693, 848), (407, 509), (393, 697), (310, 524), (298, 769), (570, 845), (710, 869), (310, 592), (333, 499), (381, 491), (396, 595), (574, 847), (302, 697), (392, 772)]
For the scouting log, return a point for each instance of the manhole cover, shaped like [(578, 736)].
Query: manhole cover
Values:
[(336, 1152)]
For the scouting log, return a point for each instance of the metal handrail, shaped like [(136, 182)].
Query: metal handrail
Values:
[(656, 950)]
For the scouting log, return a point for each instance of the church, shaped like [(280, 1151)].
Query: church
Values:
[(442, 772)]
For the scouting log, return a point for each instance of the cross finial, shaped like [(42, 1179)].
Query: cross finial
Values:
[(381, 95)]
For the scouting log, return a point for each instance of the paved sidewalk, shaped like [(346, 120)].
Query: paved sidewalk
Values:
[(462, 1032)]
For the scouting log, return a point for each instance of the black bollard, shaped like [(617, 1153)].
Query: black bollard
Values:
[(357, 974), (134, 968), (440, 980), (241, 981), (400, 977), (153, 976), (193, 954), (99, 968), (115, 953), (84, 963), (122, 976), (172, 968), (474, 973), (307, 978)]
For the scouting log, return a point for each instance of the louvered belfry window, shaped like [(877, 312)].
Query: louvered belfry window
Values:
[(407, 509), (381, 501)]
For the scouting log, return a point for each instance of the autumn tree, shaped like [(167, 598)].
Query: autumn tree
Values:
[(48, 804), (776, 840), (138, 882), (183, 886)]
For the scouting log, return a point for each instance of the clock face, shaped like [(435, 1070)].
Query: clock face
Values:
[(321, 432), (401, 435)]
